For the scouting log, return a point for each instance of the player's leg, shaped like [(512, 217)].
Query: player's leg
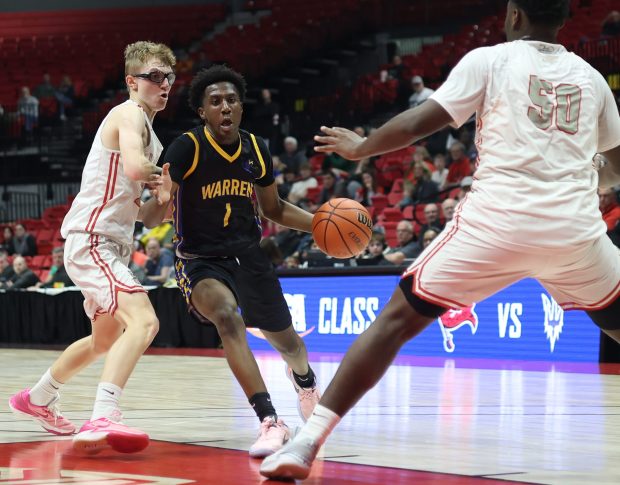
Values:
[(608, 319), (263, 305), (454, 270), (215, 301), (40, 402), (362, 367), (105, 428), (298, 370)]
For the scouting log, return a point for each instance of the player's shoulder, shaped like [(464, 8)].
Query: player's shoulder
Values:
[(248, 137), (189, 137)]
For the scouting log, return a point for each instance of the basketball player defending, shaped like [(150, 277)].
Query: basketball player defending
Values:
[(542, 115), (216, 168), (99, 230)]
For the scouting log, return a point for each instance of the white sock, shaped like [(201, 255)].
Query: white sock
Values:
[(319, 425), (46, 390), (106, 402)]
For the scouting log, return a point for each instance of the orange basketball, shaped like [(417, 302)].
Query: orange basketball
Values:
[(342, 228)]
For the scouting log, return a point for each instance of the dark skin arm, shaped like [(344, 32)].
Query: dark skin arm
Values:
[(609, 175), (280, 211), (401, 131)]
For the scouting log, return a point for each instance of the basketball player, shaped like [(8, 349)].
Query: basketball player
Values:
[(542, 114), (216, 168), (99, 233)]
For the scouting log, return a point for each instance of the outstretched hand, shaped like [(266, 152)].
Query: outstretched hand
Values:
[(340, 140), (162, 187)]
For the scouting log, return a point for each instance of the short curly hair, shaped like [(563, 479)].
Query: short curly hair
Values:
[(212, 75), (545, 12)]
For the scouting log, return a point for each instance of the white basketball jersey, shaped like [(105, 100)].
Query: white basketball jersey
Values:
[(542, 113), (108, 201)]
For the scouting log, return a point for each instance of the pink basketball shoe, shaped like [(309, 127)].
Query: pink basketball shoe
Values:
[(102, 433), (47, 416)]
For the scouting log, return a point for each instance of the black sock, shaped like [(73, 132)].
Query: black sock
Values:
[(307, 380), (261, 403)]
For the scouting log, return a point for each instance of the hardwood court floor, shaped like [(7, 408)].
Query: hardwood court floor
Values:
[(428, 421)]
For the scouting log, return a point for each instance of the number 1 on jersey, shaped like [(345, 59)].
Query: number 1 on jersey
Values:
[(227, 215), (566, 104)]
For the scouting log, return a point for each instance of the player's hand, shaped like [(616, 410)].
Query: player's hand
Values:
[(340, 140), (163, 186)]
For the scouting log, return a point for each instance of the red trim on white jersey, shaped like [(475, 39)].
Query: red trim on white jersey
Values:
[(416, 268), (599, 305), (109, 191), (114, 284)]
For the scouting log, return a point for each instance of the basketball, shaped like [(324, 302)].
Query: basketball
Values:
[(342, 228)]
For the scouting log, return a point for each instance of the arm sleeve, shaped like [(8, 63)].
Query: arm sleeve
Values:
[(267, 179), (180, 155), (463, 92), (608, 119)]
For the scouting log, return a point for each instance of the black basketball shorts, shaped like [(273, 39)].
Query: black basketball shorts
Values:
[(251, 278)]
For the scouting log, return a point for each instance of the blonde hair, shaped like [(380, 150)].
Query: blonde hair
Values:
[(139, 53)]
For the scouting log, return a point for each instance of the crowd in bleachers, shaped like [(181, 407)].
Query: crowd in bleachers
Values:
[(411, 193)]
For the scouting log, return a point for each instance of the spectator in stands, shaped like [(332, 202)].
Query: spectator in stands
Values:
[(291, 156), (159, 265), (271, 249), (291, 262), (424, 189), (360, 130), (332, 187), (163, 233), (608, 204), (24, 243), (266, 123), (440, 175), (420, 92), (287, 181), (288, 240), (301, 186), (28, 109), (202, 62), (8, 243), (185, 64), (57, 276), (368, 189), (23, 277), (448, 206), (611, 24), (6, 268), (65, 94), (429, 235), (374, 252), (338, 164), (459, 165), (407, 244), (431, 214), (45, 89)]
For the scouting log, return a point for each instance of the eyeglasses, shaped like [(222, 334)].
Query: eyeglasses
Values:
[(158, 77)]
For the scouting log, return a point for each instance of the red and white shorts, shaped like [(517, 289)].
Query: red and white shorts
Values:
[(461, 267), (99, 267)]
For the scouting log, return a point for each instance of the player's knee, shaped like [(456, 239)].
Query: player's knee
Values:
[(151, 327), (101, 345), (291, 347), (227, 321)]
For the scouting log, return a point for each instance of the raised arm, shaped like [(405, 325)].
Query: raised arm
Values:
[(401, 131)]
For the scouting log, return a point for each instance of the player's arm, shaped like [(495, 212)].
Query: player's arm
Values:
[(180, 160), (280, 211), (609, 174), (155, 210), (401, 131), (130, 130), (452, 104)]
